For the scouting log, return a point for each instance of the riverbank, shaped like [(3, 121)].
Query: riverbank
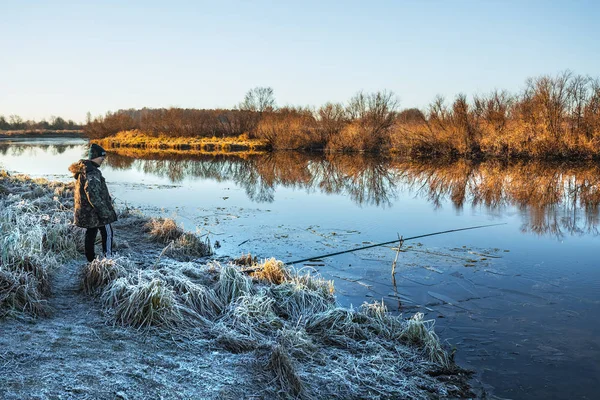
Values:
[(139, 140), (183, 323), (417, 145)]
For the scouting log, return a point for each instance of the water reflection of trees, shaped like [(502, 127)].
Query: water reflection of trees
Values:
[(15, 149), (552, 199), (366, 180)]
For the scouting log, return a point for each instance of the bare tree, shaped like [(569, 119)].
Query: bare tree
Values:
[(332, 119), (16, 121), (259, 99), (438, 112), (374, 114), (577, 98), (463, 122), (411, 115), (494, 108), (4, 125)]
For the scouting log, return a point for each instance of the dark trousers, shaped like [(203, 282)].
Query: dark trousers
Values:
[(90, 239)]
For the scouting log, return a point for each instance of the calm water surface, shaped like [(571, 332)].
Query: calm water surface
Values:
[(520, 302)]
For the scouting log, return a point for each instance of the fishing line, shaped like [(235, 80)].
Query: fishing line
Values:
[(390, 242)]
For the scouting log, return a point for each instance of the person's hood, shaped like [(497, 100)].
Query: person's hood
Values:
[(82, 166)]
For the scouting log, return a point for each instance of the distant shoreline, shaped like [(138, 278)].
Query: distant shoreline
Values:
[(139, 140), (40, 134)]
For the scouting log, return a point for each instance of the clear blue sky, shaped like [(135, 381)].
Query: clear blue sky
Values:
[(69, 57)]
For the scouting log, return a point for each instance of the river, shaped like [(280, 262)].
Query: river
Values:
[(518, 302)]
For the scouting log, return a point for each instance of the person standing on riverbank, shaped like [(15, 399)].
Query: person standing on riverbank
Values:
[(93, 204)]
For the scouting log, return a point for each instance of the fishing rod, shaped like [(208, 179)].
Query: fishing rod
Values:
[(392, 241)]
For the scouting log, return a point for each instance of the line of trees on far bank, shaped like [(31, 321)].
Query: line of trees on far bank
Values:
[(552, 116), (16, 123)]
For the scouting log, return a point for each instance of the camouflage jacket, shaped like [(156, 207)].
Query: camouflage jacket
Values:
[(93, 205)]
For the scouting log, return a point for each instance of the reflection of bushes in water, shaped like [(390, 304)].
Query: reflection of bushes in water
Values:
[(553, 196), (439, 182), (118, 161), (366, 179), (289, 169), (61, 148), (20, 149), (16, 149), (241, 169)]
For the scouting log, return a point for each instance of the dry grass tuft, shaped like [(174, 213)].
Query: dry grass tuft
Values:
[(163, 230), (273, 271), (419, 332), (282, 367), (314, 283), (245, 260), (297, 303), (232, 284), (338, 326), (381, 323), (142, 304), (32, 266), (253, 315), (189, 246), (19, 292), (183, 246), (99, 273), (236, 343), (199, 298)]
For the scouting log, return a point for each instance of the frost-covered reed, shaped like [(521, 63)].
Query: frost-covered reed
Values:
[(35, 237), (293, 319)]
